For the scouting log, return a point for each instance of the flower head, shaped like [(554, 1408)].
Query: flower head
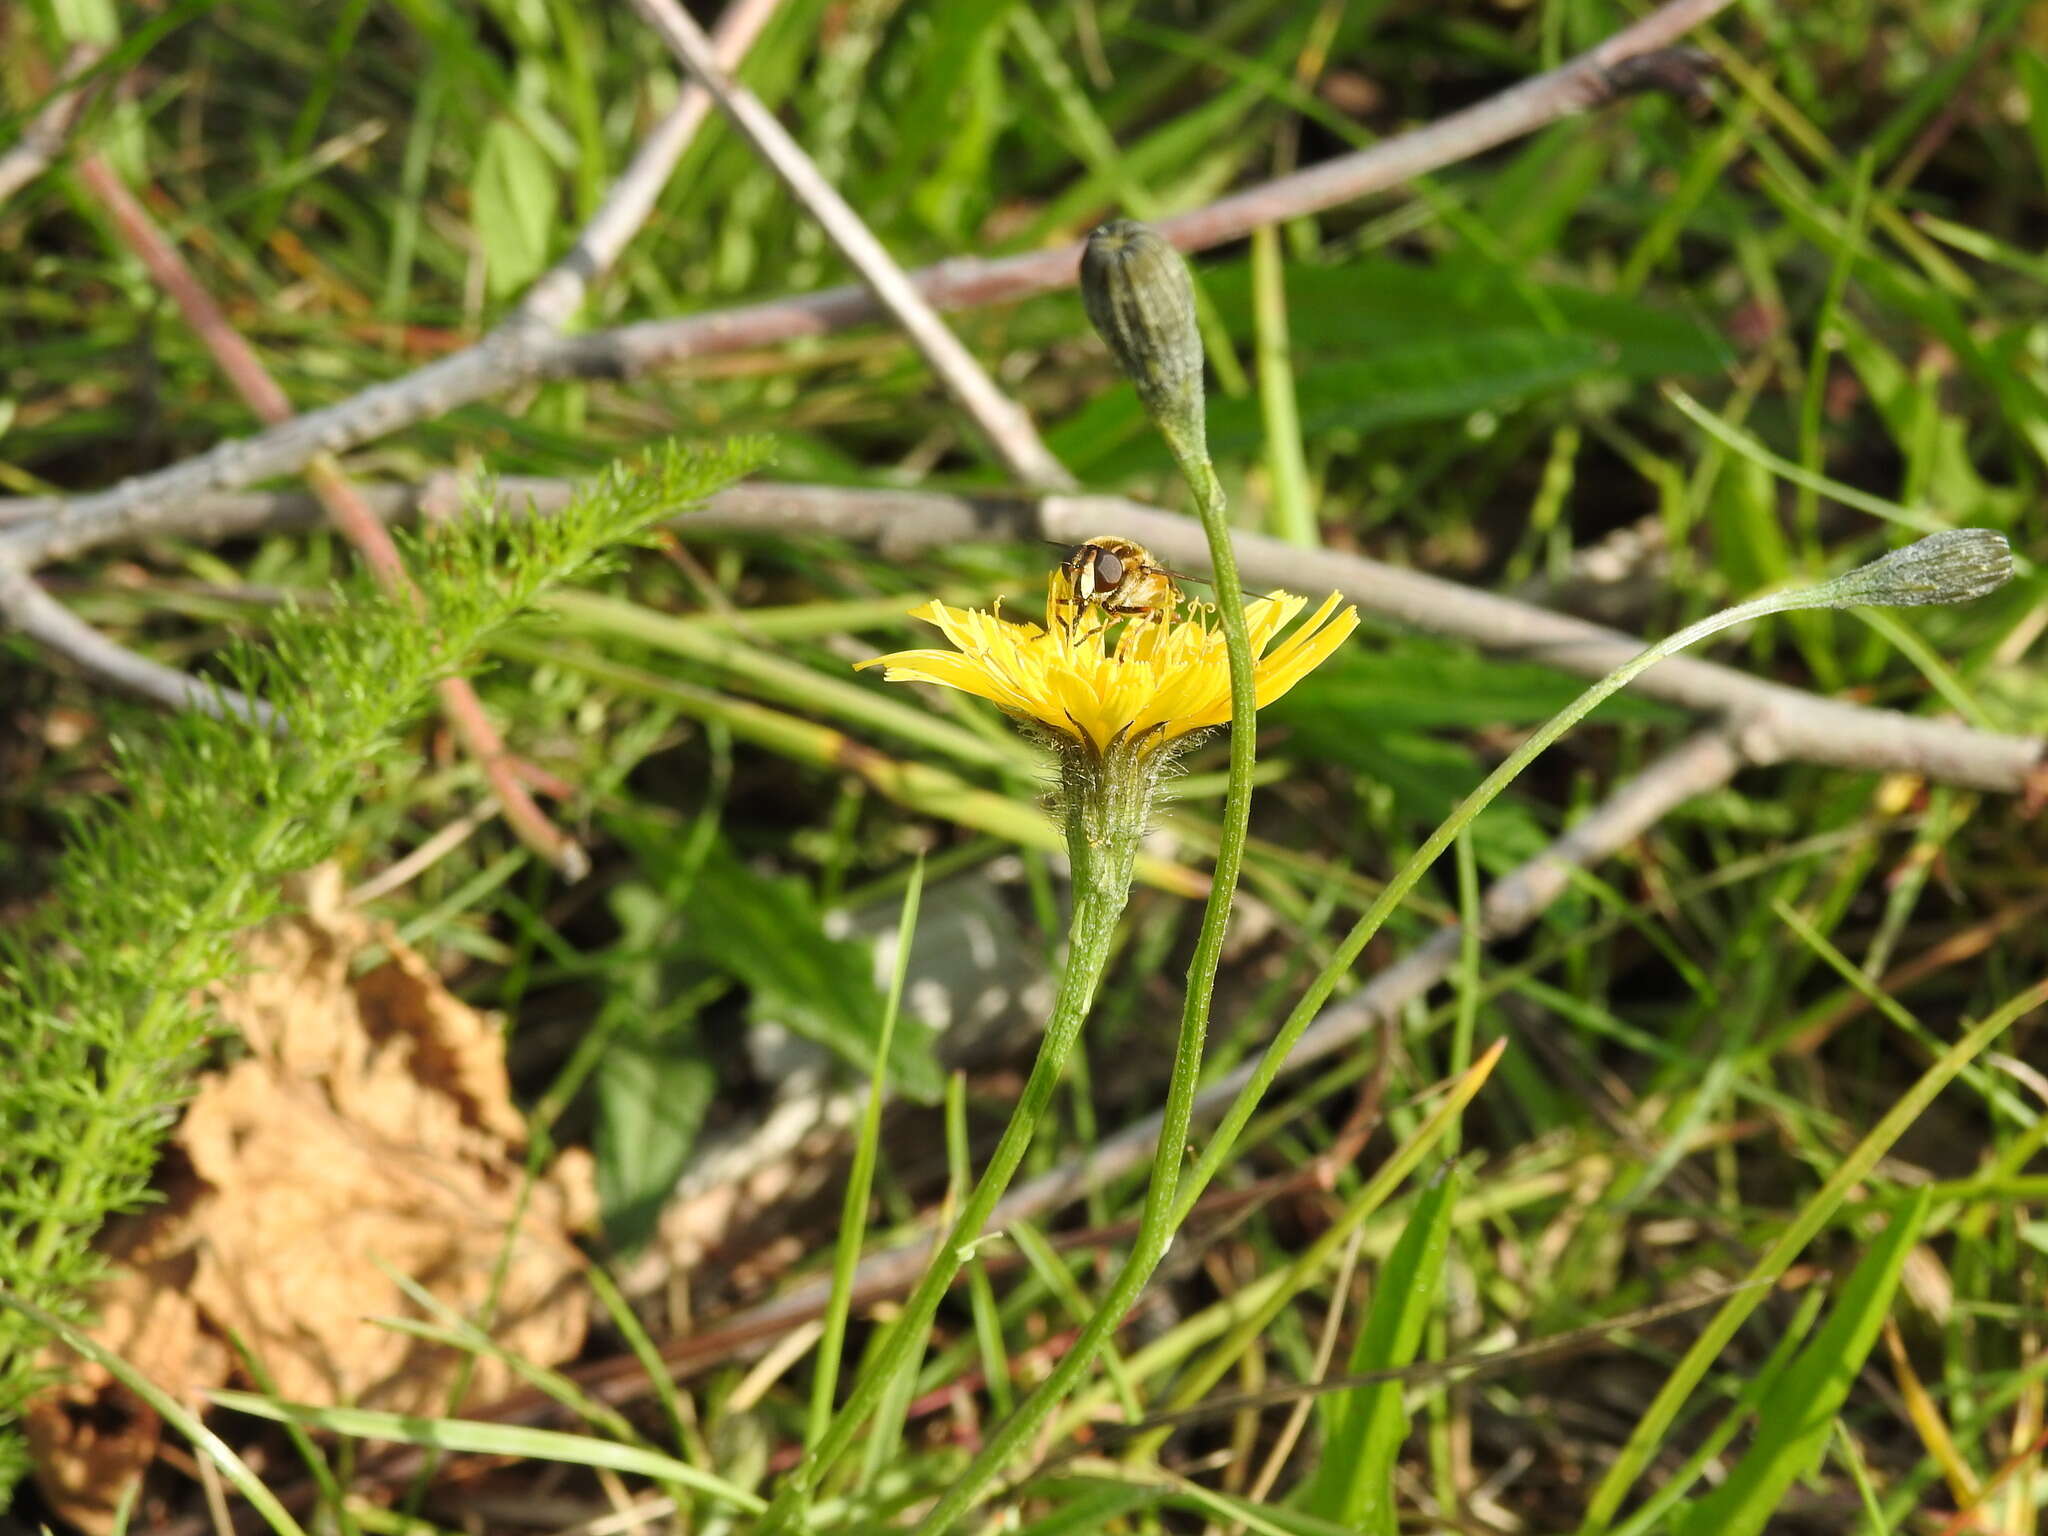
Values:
[(1143, 684)]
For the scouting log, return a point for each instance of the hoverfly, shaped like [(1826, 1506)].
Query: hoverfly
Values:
[(1120, 578)]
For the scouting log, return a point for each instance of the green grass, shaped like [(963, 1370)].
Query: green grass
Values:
[(1784, 337)]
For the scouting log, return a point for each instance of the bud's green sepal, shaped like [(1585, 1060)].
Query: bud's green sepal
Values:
[(1141, 299), (1952, 566)]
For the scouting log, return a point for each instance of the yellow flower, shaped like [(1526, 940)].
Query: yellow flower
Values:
[(1146, 683)]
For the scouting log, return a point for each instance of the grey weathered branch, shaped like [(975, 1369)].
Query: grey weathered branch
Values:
[(43, 139), (1008, 429), (50, 624), (1774, 722), (553, 300), (517, 352)]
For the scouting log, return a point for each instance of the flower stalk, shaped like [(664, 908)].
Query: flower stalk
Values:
[(1116, 682), (1102, 844), (1139, 294), (1950, 567)]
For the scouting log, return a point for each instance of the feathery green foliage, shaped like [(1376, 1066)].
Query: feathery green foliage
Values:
[(102, 1013)]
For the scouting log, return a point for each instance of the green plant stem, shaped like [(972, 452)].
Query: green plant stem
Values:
[(1167, 1190), (1217, 1150), (1159, 1219), (1106, 801)]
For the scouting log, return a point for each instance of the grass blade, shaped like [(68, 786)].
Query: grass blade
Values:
[(1795, 1420), (1354, 1484), (1289, 514), (473, 1436), (1853, 1169), (173, 1412), (853, 1215)]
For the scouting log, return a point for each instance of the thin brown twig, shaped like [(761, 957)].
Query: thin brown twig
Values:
[(1776, 722), (1006, 426), (43, 139), (350, 514), (403, 871), (514, 354), (1282, 1449), (1952, 949)]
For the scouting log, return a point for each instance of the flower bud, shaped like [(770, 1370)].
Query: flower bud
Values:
[(1141, 300), (1952, 566)]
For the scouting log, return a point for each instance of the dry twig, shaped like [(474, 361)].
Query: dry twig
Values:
[(51, 625), (1008, 429), (354, 517), (43, 139), (514, 354), (1775, 722)]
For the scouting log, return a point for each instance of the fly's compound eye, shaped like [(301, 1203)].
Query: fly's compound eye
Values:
[(1108, 569)]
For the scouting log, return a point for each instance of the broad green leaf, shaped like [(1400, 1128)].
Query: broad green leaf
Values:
[(1354, 1481), (766, 931), (1547, 185), (1422, 683), (1797, 1415), (513, 201), (1441, 377), (1749, 540), (87, 21), (1385, 343), (652, 1091), (1362, 307), (653, 1080)]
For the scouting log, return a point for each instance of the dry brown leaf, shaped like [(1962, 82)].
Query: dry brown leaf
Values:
[(369, 1132)]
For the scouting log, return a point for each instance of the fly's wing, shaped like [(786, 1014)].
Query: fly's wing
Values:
[(1207, 581)]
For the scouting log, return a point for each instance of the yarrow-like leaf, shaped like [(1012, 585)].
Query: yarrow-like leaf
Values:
[(101, 1010)]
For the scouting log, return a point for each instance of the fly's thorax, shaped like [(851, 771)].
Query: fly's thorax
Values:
[(1111, 578)]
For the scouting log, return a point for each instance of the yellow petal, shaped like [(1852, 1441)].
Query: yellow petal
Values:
[(1150, 680)]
